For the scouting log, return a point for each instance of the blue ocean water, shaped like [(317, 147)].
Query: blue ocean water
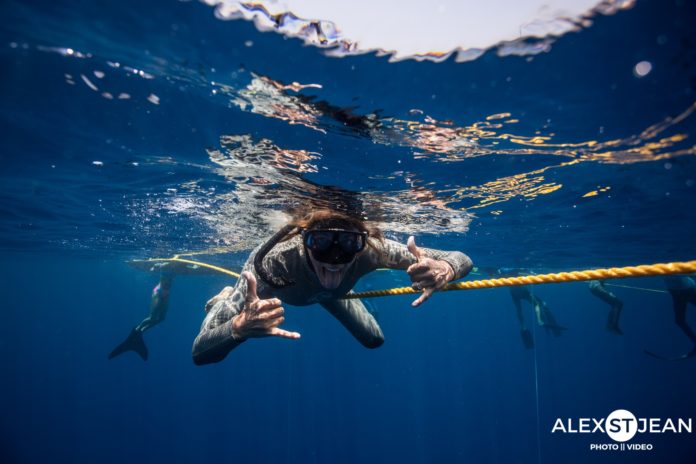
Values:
[(136, 130)]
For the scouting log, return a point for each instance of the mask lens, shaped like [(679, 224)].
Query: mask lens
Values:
[(319, 240), (351, 242)]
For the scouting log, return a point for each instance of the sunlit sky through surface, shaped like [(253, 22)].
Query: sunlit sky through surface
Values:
[(411, 27)]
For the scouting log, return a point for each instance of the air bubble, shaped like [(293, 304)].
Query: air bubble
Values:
[(642, 69)]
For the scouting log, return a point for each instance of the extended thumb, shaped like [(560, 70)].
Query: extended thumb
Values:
[(251, 286), (415, 251)]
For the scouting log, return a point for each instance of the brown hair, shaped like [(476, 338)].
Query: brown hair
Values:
[(318, 218)]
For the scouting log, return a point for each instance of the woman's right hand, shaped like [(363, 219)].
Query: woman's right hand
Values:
[(259, 318)]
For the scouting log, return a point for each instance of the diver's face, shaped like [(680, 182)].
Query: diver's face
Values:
[(332, 252)]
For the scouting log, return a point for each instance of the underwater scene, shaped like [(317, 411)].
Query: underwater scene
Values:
[(348, 232)]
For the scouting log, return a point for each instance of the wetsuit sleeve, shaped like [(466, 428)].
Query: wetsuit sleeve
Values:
[(216, 338), (394, 255)]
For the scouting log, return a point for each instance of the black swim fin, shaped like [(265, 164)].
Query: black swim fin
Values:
[(134, 342), (690, 354)]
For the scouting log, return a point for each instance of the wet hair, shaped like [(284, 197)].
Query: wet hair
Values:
[(325, 218)]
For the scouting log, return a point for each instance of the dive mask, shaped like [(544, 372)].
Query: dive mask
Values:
[(335, 246)]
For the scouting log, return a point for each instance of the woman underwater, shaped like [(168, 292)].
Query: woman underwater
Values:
[(317, 258)]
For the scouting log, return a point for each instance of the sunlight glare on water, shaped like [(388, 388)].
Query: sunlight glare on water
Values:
[(213, 145)]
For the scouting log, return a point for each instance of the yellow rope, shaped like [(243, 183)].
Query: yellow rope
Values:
[(645, 270), (196, 263)]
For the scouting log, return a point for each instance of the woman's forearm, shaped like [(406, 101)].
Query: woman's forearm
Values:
[(395, 255), (217, 338)]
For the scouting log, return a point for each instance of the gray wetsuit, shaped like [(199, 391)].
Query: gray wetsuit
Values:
[(598, 289), (159, 304), (683, 291), (289, 260)]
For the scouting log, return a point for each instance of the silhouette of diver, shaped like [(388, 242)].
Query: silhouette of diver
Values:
[(544, 315), (683, 291), (158, 311), (598, 289)]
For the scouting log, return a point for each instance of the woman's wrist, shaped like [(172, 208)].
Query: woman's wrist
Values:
[(450, 271)]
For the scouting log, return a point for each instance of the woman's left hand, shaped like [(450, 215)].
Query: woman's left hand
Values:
[(427, 274)]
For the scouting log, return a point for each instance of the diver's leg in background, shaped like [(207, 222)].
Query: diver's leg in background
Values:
[(520, 314), (524, 293), (158, 310), (159, 304), (605, 295), (357, 319), (679, 299), (539, 307), (517, 294), (691, 298), (547, 317), (146, 324), (597, 289), (526, 335), (613, 319)]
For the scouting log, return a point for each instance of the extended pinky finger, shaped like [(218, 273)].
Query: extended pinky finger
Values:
[(276, 332), (426, 294)]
